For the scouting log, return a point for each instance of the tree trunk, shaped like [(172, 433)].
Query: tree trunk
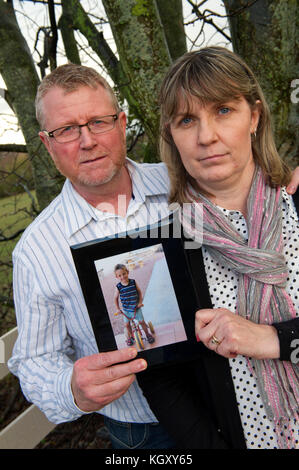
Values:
[(95, 38), (143, 51), (19, 74), (171, 14), (265, 35), (65, 24)]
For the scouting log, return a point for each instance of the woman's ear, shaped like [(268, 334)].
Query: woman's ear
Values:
[(255, 116)]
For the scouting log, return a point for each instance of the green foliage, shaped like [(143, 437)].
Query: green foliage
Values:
[(15, 215), (15, 173), (141, 8)]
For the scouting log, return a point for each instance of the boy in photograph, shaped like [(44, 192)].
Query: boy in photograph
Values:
[(130, 296)]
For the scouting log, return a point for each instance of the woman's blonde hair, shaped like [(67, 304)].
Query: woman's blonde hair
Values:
[(70, 77), (214, 74)]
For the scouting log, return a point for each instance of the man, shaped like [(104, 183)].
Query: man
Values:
[(55, 356)]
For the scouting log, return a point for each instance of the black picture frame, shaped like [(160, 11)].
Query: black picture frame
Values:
[(164, 237)]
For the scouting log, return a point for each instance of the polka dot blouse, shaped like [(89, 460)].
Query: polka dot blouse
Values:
[(258, 430)]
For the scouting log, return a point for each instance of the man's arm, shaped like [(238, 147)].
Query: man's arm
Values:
[(42, 357), (42, 353)]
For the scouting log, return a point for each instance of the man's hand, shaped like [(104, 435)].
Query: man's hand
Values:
[(102, 378), (294, 183)]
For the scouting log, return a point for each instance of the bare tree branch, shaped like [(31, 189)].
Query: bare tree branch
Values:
[(234, 13), (19, 148), (53, 36), (205, 18)]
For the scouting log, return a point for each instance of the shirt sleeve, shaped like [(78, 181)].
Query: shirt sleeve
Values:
[(42, 355)]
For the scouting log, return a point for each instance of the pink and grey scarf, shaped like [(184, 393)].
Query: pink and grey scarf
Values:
[(262, 297)]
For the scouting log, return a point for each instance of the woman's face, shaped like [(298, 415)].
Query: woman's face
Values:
[(214, 141)]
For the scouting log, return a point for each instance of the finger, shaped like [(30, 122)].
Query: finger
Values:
[(119, 371), (291, 189), (226, 349), (103, 360), (205, 325), (293, 185), (109, 391), (205, 335), (120, 385), (101, 386), (215, 341), (203, 317), (97, 396), (117, 379)]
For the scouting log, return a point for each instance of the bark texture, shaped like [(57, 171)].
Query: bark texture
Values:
[(144, 53), (21, 79), (265, 35)]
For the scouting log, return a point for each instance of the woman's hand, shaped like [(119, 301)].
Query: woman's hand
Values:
[(294, 183), (229, 335)]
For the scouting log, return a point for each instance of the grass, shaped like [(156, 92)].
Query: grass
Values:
[(15, 169), (15, 215)]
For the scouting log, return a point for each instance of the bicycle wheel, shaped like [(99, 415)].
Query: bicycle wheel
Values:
[(138, 340)]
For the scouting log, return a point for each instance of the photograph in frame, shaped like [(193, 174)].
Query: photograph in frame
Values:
[(155, 260), (145, 271)]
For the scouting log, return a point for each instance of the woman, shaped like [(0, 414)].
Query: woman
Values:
[(219, 149)]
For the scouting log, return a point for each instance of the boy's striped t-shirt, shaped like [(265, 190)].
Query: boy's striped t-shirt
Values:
[(128, 295)]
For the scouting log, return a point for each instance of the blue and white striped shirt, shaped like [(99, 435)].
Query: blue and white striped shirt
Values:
[(53, 323), (128, 296)]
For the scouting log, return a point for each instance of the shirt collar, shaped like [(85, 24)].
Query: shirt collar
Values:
[(78, 212), (145, 180)]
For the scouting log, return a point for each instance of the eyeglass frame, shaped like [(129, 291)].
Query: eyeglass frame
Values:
[(51, 133)]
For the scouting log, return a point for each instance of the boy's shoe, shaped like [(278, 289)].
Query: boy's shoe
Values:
[(150, 339), (130, 341)]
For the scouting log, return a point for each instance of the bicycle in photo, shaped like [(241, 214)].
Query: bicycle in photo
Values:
[(137, 335)]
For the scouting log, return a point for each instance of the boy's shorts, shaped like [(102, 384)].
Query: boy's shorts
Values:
[(138, 317)]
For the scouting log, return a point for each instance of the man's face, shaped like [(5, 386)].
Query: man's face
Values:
[(93, 159)]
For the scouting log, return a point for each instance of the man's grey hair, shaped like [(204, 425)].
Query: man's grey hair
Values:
[(70, 77)]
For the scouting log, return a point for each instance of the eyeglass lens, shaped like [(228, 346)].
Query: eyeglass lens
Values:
[(96, 126)]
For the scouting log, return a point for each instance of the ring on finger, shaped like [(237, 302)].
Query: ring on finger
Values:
[(215, 340)]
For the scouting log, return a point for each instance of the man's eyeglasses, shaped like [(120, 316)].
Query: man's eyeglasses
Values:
[(99, 125)]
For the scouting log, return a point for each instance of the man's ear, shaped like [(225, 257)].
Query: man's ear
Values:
[(123, 121), (45, 140)]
